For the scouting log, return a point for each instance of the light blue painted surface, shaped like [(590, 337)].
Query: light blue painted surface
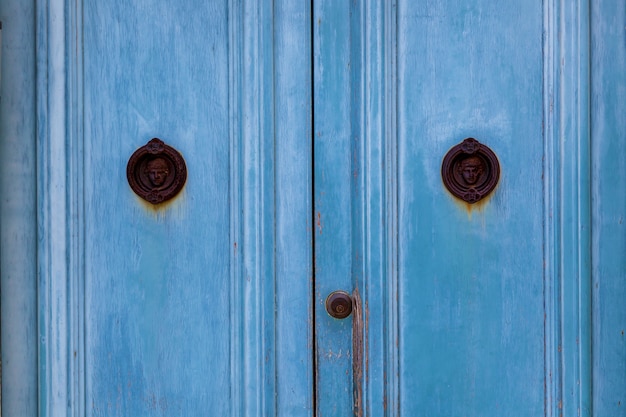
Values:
[(293, 198), (195, 307), (493, 304), (158, 285), (333, 229), (206, 330), (608, 167), (567, 222), (471, 312), (18, 228), (207, 304), (354, 159)]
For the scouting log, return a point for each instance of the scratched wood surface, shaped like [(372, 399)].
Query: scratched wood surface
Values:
[(191, 308), (205, 305), (18, 208), (491, 306), (159, 321), (608, 168), (335, 239), (471, 304), (184, 303)]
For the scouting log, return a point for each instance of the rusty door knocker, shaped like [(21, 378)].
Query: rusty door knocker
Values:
[(470, 170), (156, 172)]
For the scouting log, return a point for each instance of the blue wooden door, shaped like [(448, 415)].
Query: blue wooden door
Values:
[(314, 137), (503, 307), (200, 305)]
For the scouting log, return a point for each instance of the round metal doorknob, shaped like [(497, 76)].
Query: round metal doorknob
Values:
[(339, 304)]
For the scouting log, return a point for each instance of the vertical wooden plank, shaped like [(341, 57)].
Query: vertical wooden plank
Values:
[(18, 227), (374, 196), (355, 206), (270, 105), (334, 152), (567, 189), (75, 212), (175, 348), (608, 192), (575, 201), (470, 277), (235, 87), (391, 399), (151, 296), (272, 164), (58, 180), (252, 187), (293, 199), (552, 400)]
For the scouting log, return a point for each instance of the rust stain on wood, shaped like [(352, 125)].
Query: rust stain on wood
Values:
[(158, 210), (477, 207), (357, 353), (318, 222)]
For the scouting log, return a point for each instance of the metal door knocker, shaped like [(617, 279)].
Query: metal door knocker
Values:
[(156, 172), (339, 304), (470, 170)]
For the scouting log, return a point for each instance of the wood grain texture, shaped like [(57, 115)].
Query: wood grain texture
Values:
[(172, 310), (471, 278), (18, 207), (568, 208), (608, 194), (335, 146), (293, 198), (157, 280), (314, 135)]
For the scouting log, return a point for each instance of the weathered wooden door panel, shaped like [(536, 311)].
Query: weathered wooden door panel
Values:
[(157, 280), (18, 211), (484, 309), (607, 89), (466, 303), (190, 322), (314, 136), (181, 308), (471, 303), (335, 241)]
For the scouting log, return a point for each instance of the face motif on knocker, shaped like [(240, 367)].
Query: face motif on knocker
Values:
[(157, 170), (471, 169)]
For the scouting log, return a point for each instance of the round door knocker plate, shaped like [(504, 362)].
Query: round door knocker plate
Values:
[(470, 170), (156, 172)]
